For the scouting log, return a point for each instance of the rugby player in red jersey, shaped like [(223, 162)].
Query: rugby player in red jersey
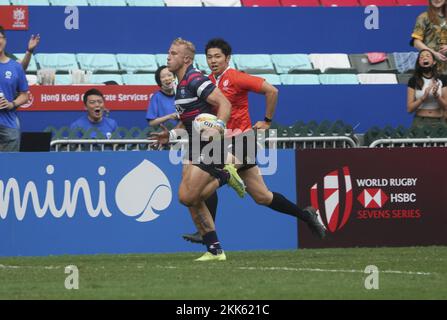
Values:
[(236, 85)]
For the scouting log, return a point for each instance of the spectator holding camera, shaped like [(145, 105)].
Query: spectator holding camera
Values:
[(427, 92)]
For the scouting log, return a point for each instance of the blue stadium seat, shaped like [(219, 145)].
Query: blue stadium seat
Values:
[(162, 59), (285, 63), (137, 62), (338, 79), (183, 3), (140, 79), (69, 2), (254, 63), (32, 67), (98, 62), (58, 61), (405, 61), (101, 78), (273, 79), (299, 79), (108, 3), (27, 2), (146, 3), (63, 79)]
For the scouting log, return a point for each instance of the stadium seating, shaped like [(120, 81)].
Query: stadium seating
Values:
[(361, 63), (405, 61), (377, 78), (98, 62), (273, 79), (61, 62), (139, 79), (183, 3), (162, 59), (330, 60), (137, 62), (102, 78), (254, 63), (146, 3), (26, 2), (403, 78), (378, 3), (114, 3), (221, 3), (32, 67), (339, 3), (300, 3), (261, 3), (412, 2), (299, 79), (285, 63), (63, 79), (338, 79), (69, 2)]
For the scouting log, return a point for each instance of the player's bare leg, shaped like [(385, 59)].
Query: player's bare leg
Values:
[(193, 182)]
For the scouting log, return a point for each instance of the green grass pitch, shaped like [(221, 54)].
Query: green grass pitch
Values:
[(403, 273)]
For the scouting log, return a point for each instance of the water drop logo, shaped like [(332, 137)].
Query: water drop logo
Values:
[(142, 191)]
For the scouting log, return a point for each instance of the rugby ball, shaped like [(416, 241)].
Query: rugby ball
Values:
[(203, 121)]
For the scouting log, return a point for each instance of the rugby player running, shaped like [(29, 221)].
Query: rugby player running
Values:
[(196, 94), (236, 85)]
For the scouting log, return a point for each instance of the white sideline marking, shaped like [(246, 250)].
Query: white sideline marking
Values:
[(418, 273), (332, 270), (314, 270)]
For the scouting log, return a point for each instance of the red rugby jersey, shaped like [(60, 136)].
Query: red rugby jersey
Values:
[(235, 85)]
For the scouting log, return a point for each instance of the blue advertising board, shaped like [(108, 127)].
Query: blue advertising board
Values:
[(124, 202)]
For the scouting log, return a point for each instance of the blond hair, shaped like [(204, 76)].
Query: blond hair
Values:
[(190, 48)]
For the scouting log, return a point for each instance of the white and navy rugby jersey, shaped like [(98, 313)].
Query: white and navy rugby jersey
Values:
[(191, 95)]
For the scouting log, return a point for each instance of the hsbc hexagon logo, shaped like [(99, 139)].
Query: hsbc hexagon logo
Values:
[(372, 198), (333, 199)]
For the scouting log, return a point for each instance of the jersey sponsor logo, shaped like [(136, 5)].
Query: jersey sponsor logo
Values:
[(8, 75)]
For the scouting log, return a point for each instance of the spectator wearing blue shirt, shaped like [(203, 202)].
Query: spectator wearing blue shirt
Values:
[(94, 119), (161, 109), (13, 93)]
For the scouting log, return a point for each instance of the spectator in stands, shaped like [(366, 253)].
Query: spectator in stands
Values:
[(13, 93), (32, 44), (427, 92), (430, 32), (94, 120), (161, 109)]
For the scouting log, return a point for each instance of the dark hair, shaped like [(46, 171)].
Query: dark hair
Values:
[(157, 74), (418, 74), (2, 31), (220, 44), (92, 92)]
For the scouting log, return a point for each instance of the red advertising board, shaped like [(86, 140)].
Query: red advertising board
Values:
[(69, 98), (375, 197), (14, 17)]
